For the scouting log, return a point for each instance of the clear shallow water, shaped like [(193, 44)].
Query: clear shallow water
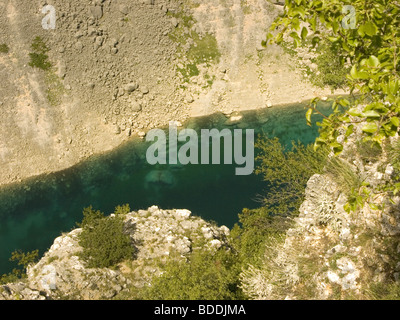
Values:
[(34, 212)]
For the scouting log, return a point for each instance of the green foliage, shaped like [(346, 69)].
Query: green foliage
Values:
[(350, 182), (4, 48), (384, 291), (103, 240), (341, 172), (39, 57), (205, 276), (55, 88), (394, 155), (205, 50), (23, 260), (122, 210), (190, 70), (39, 60), (255, 228), (38, 45), (332, 73), (393, 151), (201, 50), (372, 48), (90, 216), (369, 151), (287, 173)]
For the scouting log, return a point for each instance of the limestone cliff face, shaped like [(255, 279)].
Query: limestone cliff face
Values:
[(158, 235), (123, 67), (330, 253)]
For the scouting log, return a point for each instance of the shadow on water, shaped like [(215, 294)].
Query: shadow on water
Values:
[(36, 211)]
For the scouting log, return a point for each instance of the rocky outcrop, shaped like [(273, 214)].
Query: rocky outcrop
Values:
[(331, 253), (159, 235)]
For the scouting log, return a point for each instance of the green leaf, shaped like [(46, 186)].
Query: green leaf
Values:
[(308, 116), (337, 147), (373, 206), (313, 23), (335, 26), (294, 35), (315, 41), (354, 112), (373, 61), (333, 39), (304, 33), (353, 72), (279, 38), (349, 130), (296, 24), (358, 74), (346, 47), (395, 121), (369, 29), (335, 106), (344, 102), (371, 114), (298, 11), (370, 128), (394, 87)]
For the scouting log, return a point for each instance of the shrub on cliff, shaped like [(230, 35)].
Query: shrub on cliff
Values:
[(23, 259), (255, 227), (205, 276), (332, 73), (286, 173), (103, 240)]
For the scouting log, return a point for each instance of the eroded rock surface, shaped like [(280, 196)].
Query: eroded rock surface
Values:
[(158, 235)]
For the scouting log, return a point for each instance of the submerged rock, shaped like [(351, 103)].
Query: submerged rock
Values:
[(160, 176)]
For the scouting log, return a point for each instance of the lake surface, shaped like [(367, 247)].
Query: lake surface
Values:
[(36, 211)]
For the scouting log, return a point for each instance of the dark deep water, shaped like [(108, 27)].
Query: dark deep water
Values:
[(34, 212)]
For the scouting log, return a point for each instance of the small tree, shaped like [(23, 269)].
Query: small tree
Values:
[(103, 240), (23, 259), (205, 276)]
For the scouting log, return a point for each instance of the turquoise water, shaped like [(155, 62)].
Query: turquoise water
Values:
[(36, 211)]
